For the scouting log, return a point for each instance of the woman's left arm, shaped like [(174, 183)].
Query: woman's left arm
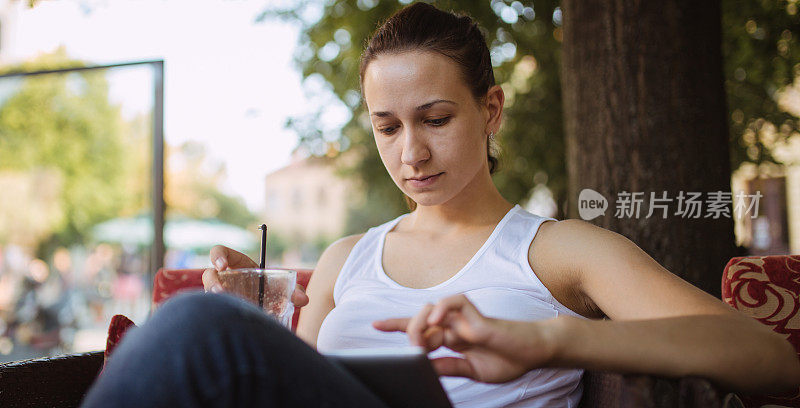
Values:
[(660, 324)]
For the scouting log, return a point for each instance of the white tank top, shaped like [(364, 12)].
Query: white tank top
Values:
[(498, 280)]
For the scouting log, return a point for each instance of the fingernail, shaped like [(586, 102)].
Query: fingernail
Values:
[(216, 288), (220, 264)]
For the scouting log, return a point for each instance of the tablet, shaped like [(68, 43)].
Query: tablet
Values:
[(401, 377)]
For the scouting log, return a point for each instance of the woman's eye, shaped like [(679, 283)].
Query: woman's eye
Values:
[(439, 121), (387, 130)]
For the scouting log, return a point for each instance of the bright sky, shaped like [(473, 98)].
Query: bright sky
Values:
[(229, 81)]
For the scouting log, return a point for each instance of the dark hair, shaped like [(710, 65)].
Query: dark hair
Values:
[(421, 26)]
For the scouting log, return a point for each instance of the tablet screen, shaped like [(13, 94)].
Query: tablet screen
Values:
[(401, 377)]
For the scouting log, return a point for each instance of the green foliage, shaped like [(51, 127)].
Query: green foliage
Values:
[(193, 188), (231, 210), (66, 123), (531, 140), (761, 54)]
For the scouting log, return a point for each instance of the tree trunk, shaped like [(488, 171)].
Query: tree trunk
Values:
[(644, 110)]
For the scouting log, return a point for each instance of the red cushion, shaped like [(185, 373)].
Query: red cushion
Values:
[(116, 330), (169, 282), (767, 288)]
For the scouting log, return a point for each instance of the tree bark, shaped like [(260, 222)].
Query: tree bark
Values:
[(644, 110)]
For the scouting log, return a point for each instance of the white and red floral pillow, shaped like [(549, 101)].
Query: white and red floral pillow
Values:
[(767, 288)]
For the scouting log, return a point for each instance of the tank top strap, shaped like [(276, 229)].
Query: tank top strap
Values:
[(520, 231), (518, 237)]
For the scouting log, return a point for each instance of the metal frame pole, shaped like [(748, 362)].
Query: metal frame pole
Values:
[(158, 170)]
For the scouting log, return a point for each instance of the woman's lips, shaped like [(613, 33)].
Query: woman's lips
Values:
[(426, 181)]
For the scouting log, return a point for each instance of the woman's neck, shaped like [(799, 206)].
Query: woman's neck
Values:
[(478, 205)]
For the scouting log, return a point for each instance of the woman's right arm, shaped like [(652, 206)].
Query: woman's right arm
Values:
[(320, 288)]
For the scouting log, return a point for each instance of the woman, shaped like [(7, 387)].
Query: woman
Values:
[(515, 299)]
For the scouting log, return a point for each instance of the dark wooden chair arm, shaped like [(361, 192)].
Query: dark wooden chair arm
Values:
[(59, 381), (605, 389)]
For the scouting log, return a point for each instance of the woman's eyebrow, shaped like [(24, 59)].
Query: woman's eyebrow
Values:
[(431, 103), (426, 106)]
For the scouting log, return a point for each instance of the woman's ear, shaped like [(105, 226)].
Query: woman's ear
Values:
[(495, 98)]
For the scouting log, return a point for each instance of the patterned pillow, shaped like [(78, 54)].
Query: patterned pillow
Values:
[(767, 288)]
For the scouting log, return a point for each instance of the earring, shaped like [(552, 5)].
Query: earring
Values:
[(491, 135)]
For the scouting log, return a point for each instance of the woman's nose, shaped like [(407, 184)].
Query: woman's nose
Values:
[(415, 149)]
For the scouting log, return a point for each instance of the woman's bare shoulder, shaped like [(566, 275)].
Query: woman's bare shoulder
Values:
[(572, 228), (569, 245), (333, 258), (341, 247), (559, 239), (548, 243)]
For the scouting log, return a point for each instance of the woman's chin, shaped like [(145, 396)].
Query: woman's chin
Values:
[(428, 199)]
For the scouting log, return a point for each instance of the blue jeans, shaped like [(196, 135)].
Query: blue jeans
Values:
[(214, 350)]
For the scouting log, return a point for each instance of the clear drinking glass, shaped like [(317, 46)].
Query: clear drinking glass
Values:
[(270, 288)]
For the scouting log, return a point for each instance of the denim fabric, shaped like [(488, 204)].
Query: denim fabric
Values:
[(215, 350)]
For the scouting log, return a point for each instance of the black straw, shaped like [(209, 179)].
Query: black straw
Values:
[(263, 258), (261, 264)]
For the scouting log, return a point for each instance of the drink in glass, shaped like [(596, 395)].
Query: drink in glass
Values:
[(271, 289)]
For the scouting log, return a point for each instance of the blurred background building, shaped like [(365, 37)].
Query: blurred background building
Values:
[(306, 208)]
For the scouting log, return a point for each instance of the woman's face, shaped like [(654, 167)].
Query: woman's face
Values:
[(426, 123)]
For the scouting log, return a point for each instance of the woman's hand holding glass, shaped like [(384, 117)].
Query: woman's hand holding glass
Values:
[(225, 258), (493, 350)]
